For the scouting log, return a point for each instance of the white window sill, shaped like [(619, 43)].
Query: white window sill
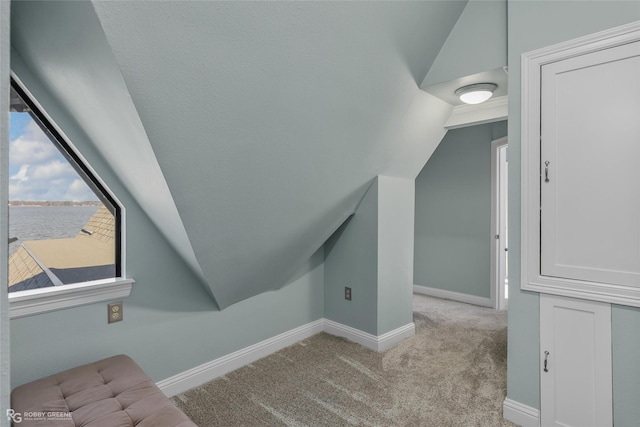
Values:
[(27, 303)]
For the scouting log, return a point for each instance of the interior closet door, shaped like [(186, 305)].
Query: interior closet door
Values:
[(590, 178), (575, 363)]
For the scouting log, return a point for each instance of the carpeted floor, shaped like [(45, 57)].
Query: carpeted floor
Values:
[(451, 373)]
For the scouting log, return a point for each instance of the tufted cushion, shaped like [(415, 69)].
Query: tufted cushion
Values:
[(113, 392)]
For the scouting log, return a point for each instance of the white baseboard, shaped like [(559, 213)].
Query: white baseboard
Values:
[(352, 334), (376, 343), (206, 372), (391, 338), (454, 296), (520, 414)]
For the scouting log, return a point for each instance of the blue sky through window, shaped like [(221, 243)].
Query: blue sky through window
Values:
[(37, 169)]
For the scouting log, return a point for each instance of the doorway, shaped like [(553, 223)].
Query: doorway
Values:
[(499, 224)]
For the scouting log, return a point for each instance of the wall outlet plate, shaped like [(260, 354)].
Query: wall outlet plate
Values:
[(347, 293), (114, 312)]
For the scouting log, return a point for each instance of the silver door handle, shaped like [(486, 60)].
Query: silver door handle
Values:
[(546, 356), (546, 171)]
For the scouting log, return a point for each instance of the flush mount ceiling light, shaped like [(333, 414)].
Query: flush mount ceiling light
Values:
[(476, 93)]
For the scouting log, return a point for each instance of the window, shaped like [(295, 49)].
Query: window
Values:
[(65, 227)]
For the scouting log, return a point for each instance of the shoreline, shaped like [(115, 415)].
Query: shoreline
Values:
[(19, 203)]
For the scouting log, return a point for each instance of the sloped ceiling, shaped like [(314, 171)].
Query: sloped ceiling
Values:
[(269, 119), (63, 46)]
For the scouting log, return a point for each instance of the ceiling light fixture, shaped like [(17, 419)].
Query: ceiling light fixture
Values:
[(476, 93)]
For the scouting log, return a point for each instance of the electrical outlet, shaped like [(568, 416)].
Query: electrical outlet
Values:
[(114, 312), (347, 293)]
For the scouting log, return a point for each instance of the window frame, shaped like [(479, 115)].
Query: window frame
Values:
[(35, 301)]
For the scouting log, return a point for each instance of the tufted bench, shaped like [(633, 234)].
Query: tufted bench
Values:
[(113, 392)]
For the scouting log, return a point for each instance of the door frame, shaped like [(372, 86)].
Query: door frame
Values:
[(532, 62), (497, 295), (5, 72)]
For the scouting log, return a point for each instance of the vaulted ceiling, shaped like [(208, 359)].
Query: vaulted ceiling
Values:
[(247, 131)]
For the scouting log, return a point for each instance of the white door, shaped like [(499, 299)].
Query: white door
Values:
[(499, 226), (590, 179), (503, 203), (575, 362)]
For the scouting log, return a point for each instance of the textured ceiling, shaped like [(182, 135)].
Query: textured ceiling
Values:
[(268, 120)]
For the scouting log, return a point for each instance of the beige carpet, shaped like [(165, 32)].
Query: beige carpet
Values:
[(451, 373)]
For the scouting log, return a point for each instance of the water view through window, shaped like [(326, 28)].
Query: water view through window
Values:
[(62, 227)]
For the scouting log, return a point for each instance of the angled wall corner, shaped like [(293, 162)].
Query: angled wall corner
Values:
[(396, 210), (477, 43), (372, 253), (475, 52), (421, 130), (351, 260)]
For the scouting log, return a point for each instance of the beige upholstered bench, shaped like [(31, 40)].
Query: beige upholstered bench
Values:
[(113, 392)]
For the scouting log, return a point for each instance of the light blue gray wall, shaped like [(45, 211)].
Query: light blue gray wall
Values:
[(371, 254), (532, 25), (351, 259), (396, 200), (453, 212), (485, 50), (170, 323), (625, 324)]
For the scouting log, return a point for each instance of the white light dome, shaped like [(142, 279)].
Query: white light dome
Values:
[(476, 93)]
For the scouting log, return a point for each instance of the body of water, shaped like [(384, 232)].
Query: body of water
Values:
[(46, 222)]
